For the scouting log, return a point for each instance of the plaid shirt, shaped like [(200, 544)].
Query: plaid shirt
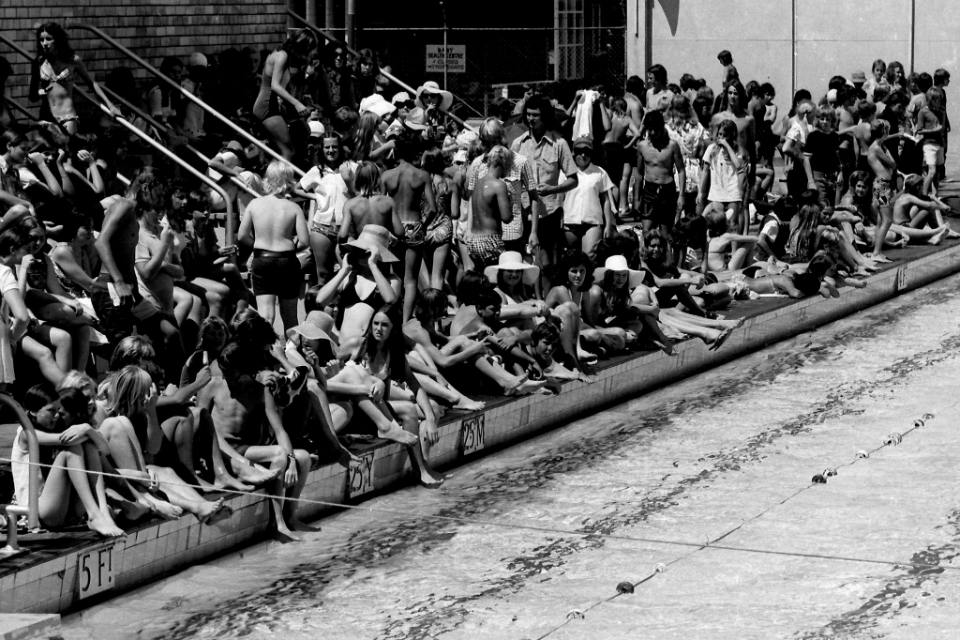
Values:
[(519, 181)]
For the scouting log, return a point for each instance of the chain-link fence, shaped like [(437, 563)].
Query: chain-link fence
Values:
[(483, 64)]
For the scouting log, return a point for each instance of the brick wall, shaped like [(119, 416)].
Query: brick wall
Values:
[(151, 28)]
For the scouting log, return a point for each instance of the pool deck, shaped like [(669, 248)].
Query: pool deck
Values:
[(69, 570)]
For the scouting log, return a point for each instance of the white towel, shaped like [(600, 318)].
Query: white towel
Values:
[(583, 116)]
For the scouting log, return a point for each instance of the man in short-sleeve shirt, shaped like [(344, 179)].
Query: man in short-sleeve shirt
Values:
[(520, 179), (550, 155)]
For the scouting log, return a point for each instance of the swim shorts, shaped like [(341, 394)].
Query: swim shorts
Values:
[(659, 202), (932, 154), (415, 236), (325, 229), (882, 192), (275, 273), (440, 231), (485, 250)]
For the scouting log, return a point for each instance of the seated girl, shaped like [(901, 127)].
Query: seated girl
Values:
[(382, 355), (570, 299), (616, 309), (672, 284), (73, 487), (726, 251)]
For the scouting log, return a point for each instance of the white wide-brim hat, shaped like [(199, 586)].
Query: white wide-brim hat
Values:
[(512, 261), (433, 87), (619, 263)]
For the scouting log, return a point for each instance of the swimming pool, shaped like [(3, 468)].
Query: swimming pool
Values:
[(726, 457)]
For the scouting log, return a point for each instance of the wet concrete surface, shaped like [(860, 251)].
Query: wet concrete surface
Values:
[(516, 541)]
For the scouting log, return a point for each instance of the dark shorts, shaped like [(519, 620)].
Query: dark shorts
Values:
[(414, 235), (659, 202), (328, 230), (882, 192), (275, 273), (485, 250), (614, 157), (117, 322)]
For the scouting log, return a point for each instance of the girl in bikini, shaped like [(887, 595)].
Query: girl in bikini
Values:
[(294, 54), (55, 72), (726, 250), (440, 227), (569, 301)]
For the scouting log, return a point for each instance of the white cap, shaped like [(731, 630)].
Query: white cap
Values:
[(403, 96), (377, 104), (316, 129), (197, 59), (832, 96)]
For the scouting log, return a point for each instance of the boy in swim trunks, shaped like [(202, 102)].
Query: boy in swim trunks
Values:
[(884, 170), (491, 208), (410, 187), (657, 158)]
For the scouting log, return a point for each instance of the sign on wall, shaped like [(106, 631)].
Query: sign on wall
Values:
[(456, 58)]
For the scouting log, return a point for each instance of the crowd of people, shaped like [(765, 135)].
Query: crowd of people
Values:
[(412, 264)]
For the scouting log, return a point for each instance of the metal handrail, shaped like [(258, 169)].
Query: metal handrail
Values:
[(230, 237), (13, 45), (200, 103), (163, 127), (32, 508), (388, 75), (22, 109)]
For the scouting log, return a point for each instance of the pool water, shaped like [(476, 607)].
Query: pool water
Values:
[(523, 541)]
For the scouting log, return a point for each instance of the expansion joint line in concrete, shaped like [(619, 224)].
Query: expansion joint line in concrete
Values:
[(821, 478)]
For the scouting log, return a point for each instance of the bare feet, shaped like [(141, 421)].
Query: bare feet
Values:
[(285, 535), (528, 386), (167, 510), (721, 339), (878, 257), (466, 404), (396, 433), (105, 526), (129, 511), (255, 474), (667, 348), (297, 525), (430, 480), (941, 234), (213, 512), (226, 481)]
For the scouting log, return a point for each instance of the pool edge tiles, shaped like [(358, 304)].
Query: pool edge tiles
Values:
[(85, 574)]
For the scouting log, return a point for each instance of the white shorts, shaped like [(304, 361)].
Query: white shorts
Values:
[(932, 154)]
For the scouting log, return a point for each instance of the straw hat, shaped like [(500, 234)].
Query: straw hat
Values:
[(512, 261), (619, 263), (377, 104), (374, 239), (316, 326), (434, 88)]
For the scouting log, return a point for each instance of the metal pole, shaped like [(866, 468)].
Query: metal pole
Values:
[(351, 12), (913, 32), (311, 10), (186, 94), (793, 66), (556, 40), (647, 36), (329, 15), (443, 12)]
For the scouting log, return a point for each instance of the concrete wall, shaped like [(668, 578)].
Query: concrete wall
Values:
[(152, 28), (834, 37)]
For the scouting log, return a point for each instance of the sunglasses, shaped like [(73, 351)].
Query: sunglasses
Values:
[(404, 104)]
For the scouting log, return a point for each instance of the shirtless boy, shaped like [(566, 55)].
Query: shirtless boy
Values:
[(247, 419), (276, 228), (369, 206), (491, 208), (410, 187), (657, 157), (117, 246), (884, 170)]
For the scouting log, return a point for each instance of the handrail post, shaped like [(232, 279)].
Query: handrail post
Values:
[(389, 76), (32, 508), (200, 103), (159, 125), (230, 231)]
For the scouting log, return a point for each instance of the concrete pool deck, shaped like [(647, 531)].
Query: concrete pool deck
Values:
[(61, 572)]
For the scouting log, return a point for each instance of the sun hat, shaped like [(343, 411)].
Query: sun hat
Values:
[(377, 104), (316, 129), (197, 59), (858, 77), (416, 119), (233, 145), (434, 88), (316, 326), (512, 261), (619, 263), (583, 141), (402, 96), (374, 239)]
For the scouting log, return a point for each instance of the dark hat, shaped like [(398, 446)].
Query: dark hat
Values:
[(583, 142)]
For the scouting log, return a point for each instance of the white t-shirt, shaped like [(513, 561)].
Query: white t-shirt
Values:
[(333, 192), (582, 203), (228, 159), (724, 177)]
